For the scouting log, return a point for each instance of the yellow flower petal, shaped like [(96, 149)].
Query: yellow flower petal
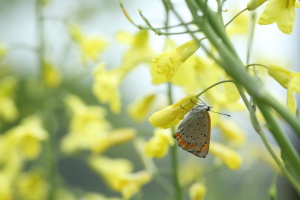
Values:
[(51, 75), (106, 84), (232, 131), (168, 63), (90, 47), (171, 115), (281, 75), (158, 145), (281, 12), (138, 110), (293, 86), (197, 191), (230, 90), (231, 159)]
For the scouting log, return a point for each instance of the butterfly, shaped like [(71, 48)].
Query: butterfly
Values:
[(193, 134)]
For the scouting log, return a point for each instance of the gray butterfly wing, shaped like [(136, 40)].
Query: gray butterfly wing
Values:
[(194, 131)]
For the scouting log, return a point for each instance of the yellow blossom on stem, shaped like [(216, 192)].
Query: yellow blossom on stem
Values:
[(8, 108), (118, 175), (169, 62), (51, 75), (197, 191), (282, 12), (90, 47), (289, 80), (139, 51), (138, 110), (171, 115), (230, 158), (158, 145), (106, 83)]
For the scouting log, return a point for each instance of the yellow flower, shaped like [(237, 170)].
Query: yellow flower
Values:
[(26, 138), (8, 108), (232, 131), (231, 159), (290, 81), (103, 141), (138, 110), (32, 185), (106, 84), (282, 12), (118, 175), (189, 171), (86, 118), (139, 51), (158, 145), (171, 115), (51, 75), (90, 47), (89, 130), (197, 191), (6, 190), (169, 62)]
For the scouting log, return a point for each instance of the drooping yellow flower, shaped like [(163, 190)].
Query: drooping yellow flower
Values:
[(197, 191), (6, 182), (8, 108), (51, 75), (139, 50), (289, 80), (118, 175), (169, 62), (138, 110), (232, 131), (106, 83), (171, 115), (90, 47), (282, 12), (230, 158), (158, 145), (32, 185)]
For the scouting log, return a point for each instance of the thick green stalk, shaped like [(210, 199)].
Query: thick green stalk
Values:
[(235, 68)]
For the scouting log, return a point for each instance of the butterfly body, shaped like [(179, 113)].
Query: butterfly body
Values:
[(193, 134)]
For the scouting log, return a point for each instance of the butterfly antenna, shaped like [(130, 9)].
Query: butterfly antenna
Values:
[(220, 113)]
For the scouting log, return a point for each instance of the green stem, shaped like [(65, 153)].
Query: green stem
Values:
[(174, 157), (50, 159), (289, 154), (235, 17), (220, 82)]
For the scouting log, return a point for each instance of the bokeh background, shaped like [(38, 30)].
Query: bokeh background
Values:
[(19, 37)]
